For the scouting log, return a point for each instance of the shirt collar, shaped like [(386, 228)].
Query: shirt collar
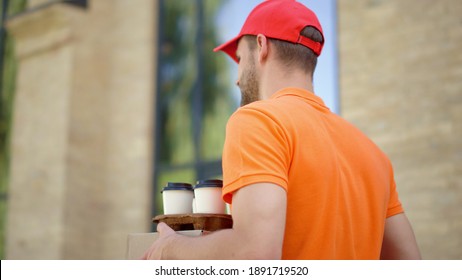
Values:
[(302, 93)]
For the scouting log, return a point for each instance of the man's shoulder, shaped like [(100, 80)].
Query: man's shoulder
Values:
[(264, 113)]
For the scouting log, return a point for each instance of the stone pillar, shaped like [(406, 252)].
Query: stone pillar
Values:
[(37, 191), (111, 129), (82, 130)]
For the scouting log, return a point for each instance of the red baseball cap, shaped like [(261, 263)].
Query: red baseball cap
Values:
[(277, 19)]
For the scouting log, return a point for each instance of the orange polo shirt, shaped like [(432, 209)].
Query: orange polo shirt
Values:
[(339, 184)]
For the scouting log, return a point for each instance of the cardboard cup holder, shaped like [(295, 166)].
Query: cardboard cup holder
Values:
[(204, 222)]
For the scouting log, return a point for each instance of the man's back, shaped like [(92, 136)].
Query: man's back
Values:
[(339, 185)]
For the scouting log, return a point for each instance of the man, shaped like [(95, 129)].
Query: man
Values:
[(303, 182)]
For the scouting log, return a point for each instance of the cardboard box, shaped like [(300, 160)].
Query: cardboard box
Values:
[(138, 243)]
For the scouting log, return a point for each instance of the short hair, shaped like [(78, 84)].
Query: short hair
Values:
[(295, 55)]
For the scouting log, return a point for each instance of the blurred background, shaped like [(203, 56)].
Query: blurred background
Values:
[(105, 101)]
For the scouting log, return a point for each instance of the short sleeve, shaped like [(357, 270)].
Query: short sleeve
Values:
[(394, 204), (256, 150)]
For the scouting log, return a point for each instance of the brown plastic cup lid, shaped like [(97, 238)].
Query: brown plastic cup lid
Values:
[(211, 183), (177, 187)]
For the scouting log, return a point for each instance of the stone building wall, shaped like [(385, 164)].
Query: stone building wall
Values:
[(82, 129), (400, 65)]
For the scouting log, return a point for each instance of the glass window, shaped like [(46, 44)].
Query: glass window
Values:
[(193, 96)]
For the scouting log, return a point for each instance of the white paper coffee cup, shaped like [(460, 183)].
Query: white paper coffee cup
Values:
[(177, 198), (207, 197)]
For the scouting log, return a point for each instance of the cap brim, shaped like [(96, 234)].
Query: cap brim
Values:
[(229, 47)]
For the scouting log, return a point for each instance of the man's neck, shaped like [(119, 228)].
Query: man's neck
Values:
[(276, 78)]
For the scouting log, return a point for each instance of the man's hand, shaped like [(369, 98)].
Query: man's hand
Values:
[(166, 236)]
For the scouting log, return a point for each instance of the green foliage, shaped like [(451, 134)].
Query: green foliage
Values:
[(179, 77)]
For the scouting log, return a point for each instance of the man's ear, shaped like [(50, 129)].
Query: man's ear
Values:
[(262, 45)]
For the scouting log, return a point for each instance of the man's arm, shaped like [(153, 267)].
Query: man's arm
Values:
[(399, 242), (259, 215)]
